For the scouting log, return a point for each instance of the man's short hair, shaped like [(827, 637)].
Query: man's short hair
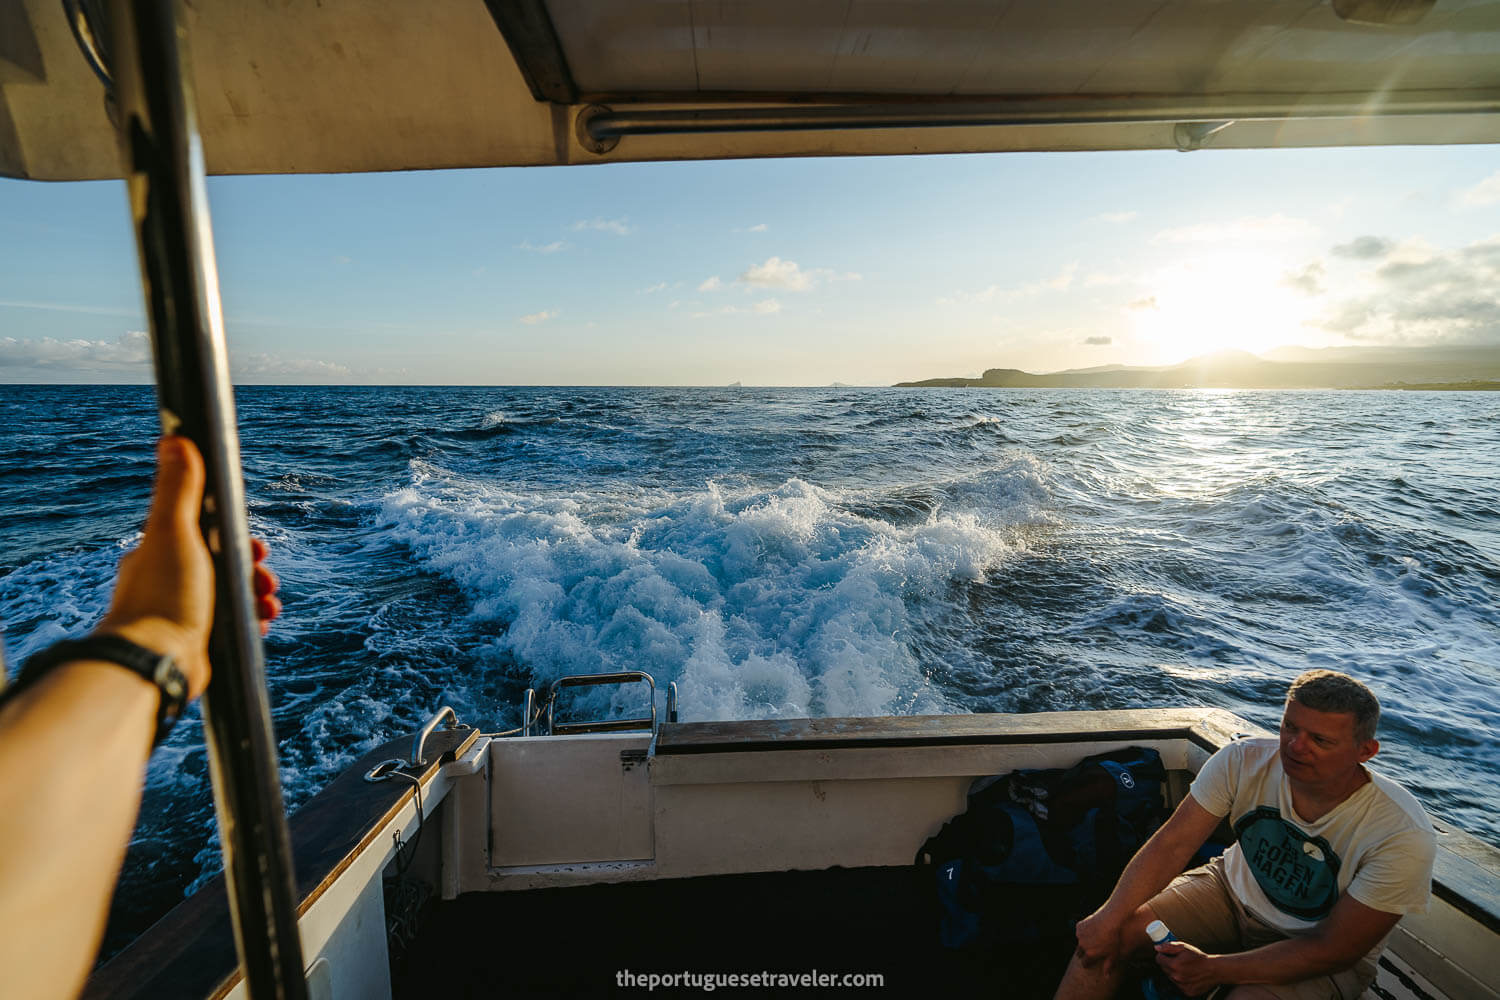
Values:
[(1331, 691)]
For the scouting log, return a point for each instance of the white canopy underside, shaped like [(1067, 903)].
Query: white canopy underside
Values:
[(324, 86)]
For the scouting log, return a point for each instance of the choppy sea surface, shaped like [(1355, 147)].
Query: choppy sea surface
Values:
[(796, 552)]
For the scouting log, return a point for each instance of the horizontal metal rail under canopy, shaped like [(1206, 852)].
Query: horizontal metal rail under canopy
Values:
[(600, 127)]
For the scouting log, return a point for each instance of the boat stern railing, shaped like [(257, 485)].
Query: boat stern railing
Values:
[(532, 712)]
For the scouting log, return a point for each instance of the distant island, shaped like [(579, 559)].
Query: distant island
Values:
[(1421, 368)]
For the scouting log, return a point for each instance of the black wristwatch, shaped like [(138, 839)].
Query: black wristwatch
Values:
[(158, 668)]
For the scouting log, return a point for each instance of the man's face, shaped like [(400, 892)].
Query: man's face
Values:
[(1320, 747)]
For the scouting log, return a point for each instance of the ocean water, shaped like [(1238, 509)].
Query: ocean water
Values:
[(795, 552)]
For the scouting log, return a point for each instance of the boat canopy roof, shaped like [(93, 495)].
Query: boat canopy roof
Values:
[(327, 86)]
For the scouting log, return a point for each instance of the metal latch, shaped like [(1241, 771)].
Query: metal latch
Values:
[(630, 758)]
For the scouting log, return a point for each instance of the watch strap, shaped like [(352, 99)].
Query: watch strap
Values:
[(158, 668)]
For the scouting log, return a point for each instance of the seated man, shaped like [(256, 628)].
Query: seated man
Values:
[(1327, 857)]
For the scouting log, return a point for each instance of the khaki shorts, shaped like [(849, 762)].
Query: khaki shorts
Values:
[(1201, 910)]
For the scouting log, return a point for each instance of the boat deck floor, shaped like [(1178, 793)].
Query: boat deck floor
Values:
[(577, 941)]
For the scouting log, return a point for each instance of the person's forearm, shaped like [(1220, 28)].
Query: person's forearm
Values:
[(1157, 862), (71, 764), (1288, 961)]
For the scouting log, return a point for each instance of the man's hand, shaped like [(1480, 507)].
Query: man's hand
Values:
[(1190, 970), (164, 598), (1099, 940), (267, 604)]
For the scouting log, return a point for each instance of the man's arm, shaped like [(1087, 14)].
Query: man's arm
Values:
[(1159, 861), (1345, 936), (72, 749), (73, 744)]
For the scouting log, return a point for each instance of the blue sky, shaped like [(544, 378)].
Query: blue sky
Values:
[(780, 272)]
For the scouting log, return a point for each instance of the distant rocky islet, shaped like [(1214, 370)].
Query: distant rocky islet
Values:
[(1472, 367)]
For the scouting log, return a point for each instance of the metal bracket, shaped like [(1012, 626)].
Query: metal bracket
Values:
[(586, 138), (1192, 135)]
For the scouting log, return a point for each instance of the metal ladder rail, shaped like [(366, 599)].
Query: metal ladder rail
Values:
[(531, 711)]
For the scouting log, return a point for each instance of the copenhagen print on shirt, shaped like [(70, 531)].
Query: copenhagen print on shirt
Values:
[(1298, 873)]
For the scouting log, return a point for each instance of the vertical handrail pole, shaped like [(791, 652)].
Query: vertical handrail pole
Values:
[(164, 165)]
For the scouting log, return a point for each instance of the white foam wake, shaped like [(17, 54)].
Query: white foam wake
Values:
[(760, 604)]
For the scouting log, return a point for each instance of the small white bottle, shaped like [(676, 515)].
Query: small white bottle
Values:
[(1159, 933), (1159, 987)]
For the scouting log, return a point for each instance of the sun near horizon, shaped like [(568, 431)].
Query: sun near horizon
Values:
[(783, 272)]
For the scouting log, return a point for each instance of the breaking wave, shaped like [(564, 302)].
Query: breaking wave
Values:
[(791, 601)]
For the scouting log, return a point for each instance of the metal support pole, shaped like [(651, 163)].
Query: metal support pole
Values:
[(165, 175)]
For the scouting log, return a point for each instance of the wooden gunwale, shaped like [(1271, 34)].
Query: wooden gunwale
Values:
[(190, 953)]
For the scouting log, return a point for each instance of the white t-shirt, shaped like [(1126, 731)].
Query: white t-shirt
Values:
[(1377, 845)]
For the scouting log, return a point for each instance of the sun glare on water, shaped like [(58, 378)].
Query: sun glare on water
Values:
[(1219, 302)]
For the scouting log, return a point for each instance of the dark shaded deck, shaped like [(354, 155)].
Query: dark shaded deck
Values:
[(870, 920)]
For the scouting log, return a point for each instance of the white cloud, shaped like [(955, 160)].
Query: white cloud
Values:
[(789, 276), (1117, 217), (1063, 278), (1099, 278), (131, 351), (1364, 248), (1057, 283), (619, 227), (758, 228), (555, 246), (710, 284), (1098, 341), (765, 307), (658, 287), (1337, 209), (778, 273), (1263, 229), (962, 298), (260, 366), (1308, 280), (1486, 192), (70, 308), (1414, 293), (130, 357), (539, 317)]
